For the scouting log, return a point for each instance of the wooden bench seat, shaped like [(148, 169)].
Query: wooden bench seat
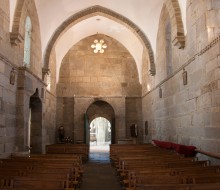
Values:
[(156, 169), (43, 183), (41, 172), (78, 149), (215, 186)]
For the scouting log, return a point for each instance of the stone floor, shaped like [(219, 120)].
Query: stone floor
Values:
[(98, 172)]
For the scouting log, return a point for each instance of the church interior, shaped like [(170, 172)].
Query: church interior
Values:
[(146, 71)]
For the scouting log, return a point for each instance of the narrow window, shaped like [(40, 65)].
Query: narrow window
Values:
[(168, 49), (27, 42)]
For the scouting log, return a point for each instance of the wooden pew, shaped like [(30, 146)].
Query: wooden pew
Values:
[(151, 169), (78, 149), (41, 172)]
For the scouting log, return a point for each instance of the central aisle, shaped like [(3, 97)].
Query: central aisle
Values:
[(98, 172)]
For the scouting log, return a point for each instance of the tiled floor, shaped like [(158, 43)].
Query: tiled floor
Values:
[(98, 172)]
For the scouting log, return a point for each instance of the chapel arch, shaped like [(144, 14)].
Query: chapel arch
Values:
[(93, 11), (177, 29), (97, 109), (26, 35), (17, 30), (164, 45)]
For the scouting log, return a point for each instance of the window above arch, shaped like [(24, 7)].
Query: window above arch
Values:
[(27, 42)]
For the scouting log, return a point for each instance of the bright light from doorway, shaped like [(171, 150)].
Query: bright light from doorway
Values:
[(100, 133)]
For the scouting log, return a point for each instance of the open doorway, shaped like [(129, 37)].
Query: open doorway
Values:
[(99, 129), (100, 133)]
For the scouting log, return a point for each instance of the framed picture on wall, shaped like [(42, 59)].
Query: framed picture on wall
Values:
[(160, 92), (184, 77)]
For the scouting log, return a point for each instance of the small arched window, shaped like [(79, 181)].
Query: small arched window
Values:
[(27, 42), (49, 81)]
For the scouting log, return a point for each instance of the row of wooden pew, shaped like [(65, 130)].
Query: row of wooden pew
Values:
[(41, 171), (147, 167), (68, 148)]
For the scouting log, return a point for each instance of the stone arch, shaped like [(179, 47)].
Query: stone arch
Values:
[(5, 13), (177, 30), (15, 35), (93, 11), (106, 116), (100, 108), (24, 9)]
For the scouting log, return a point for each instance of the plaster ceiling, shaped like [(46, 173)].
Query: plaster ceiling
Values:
[(144, 13)]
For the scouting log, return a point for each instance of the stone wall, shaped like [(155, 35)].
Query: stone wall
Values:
[(7, 90), (71, 113), (188, 114), (84, 73), (183, 113), (28, 85), (86, 76), (83, 103), (7, 110), (15, 91), (134, 116), (50, 118), (65, 115)]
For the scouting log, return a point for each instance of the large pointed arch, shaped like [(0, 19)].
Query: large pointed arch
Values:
[(93, 11), (177, 30), (16, 33)]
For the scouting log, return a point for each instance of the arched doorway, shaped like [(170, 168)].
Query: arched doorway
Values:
[(100, 132), (99, 116), (34, 137)]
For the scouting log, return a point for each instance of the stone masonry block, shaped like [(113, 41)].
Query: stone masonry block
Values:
[(2, 132), (204, 101), (218, 60), (201, 119), (2, 120), (212, 132), (213, 4), (2, 67), (215, 119), (216, 98), (2, 148), (212, 18), (211, 65)]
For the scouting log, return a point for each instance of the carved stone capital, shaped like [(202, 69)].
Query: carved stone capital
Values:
[(16, 38), (179, 41), (45, 70)]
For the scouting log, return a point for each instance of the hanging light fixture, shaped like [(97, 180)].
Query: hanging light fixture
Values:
[(99, 46)]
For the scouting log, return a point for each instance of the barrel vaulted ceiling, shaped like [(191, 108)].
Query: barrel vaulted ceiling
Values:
[(144, 13)]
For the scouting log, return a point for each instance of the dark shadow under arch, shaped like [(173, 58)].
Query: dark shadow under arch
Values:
[(35, 123)]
